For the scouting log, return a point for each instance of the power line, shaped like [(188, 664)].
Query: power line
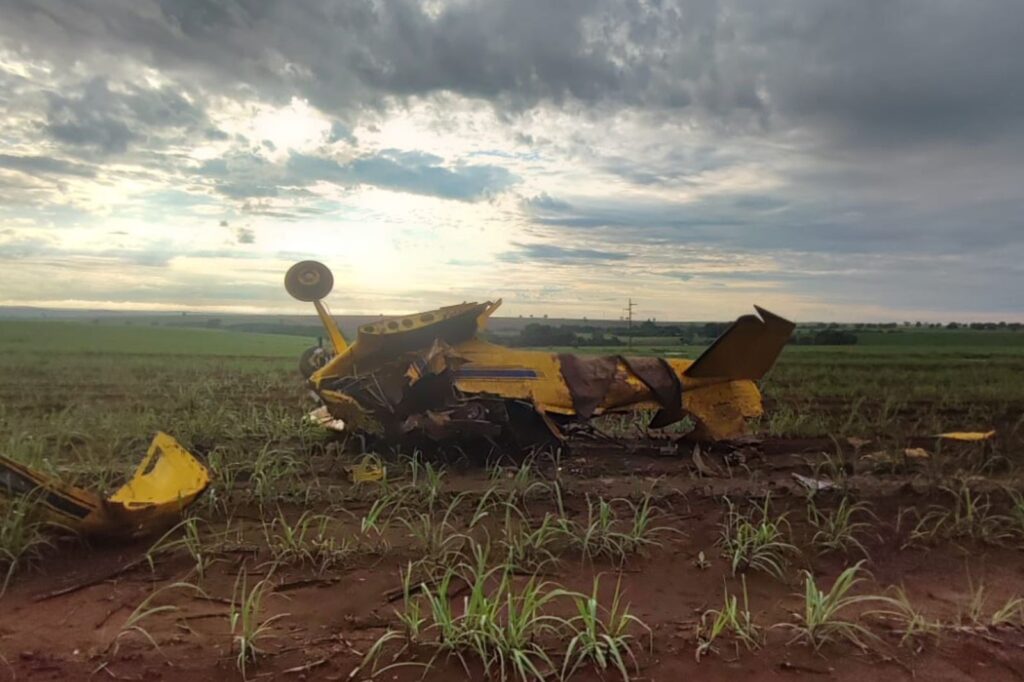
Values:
[(629, 323)]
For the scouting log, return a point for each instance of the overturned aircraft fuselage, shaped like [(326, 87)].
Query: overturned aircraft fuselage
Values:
[(431, 375)]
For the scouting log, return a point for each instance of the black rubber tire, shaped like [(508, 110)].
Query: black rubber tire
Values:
[(309, 281), (312, 359)]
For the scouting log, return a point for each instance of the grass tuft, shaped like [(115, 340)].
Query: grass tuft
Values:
[(755, 540), (22, 536), (823, 621)]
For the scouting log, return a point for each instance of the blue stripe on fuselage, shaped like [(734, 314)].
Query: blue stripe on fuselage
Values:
[(494, 373)]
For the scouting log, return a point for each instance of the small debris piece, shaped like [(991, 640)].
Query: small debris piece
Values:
[(916, 453), (368, 470), (969, 436), (815, 485), (703, 468), (321, 417)]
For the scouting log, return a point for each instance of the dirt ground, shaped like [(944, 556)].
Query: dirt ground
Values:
[(71, 619)]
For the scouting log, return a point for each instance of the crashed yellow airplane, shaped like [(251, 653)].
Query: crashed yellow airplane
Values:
[(430, 374)]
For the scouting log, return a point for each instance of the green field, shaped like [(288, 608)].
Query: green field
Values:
[(80, 338), (79, 391), (81, 401)]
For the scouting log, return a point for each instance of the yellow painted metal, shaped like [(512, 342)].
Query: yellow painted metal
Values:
[(390, 336), (333, 331), (718, 389), (368, 470), (548, 390), (167, 477), (721, 410), (166, 481), (719, 405), (968, 436)]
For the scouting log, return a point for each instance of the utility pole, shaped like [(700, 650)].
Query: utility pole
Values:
[(629, 323)]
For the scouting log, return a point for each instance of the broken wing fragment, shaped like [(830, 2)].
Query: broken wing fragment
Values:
[(167, 481)]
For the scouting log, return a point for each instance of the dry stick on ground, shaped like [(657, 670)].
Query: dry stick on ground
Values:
[(397, 593), (308, 666), (305, 582), (127, 568)]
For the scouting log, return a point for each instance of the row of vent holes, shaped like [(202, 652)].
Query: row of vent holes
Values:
[(406, 322)]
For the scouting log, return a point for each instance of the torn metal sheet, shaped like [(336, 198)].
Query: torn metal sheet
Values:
[(658, 376), (588, 380), (166, 482), (431, 375)]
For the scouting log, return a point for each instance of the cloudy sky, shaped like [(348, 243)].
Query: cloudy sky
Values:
[(827, 159)]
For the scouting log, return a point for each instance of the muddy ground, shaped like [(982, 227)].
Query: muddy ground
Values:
[(70, 619)]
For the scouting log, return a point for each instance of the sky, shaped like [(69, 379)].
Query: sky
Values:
[(826, 159)]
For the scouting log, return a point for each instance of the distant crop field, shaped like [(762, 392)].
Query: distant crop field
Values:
[(943, 337), (111, 339)]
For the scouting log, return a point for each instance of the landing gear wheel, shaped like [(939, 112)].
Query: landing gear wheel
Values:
[(309, 281), (312, 359)]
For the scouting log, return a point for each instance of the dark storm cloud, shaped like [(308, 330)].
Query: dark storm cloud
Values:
[(108, 121), (880, 71)]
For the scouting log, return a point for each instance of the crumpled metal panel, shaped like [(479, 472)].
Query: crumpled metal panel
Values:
[(588, 379)]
